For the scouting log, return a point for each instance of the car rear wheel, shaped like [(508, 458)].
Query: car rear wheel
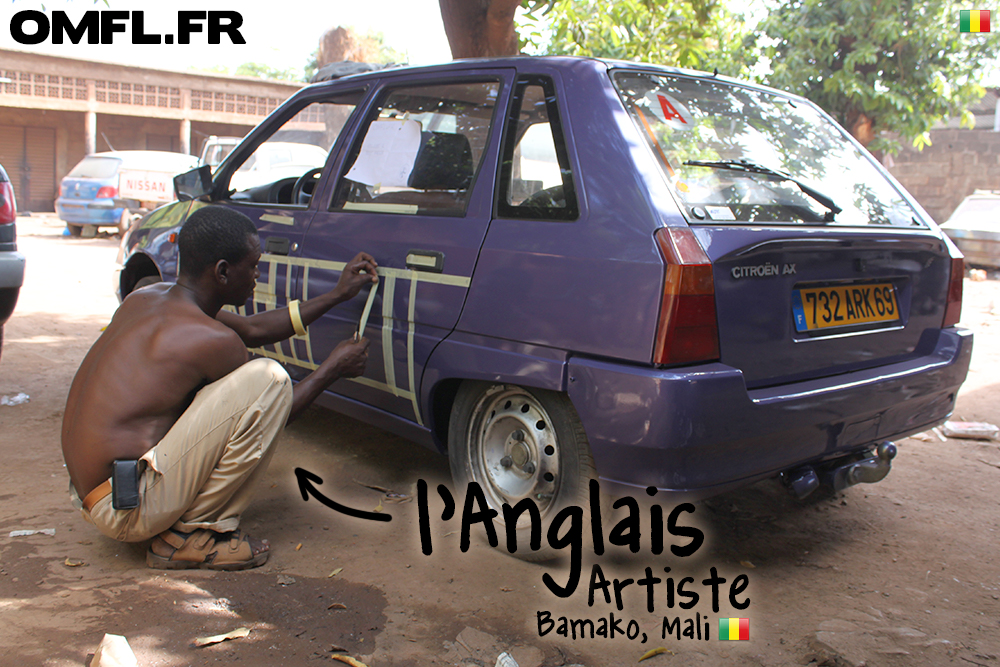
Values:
[(520, 443)]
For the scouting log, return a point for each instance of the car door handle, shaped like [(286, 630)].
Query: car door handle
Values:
[(276, 245), (425, 260)]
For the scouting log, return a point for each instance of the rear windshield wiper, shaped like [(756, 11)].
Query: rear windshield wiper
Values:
[(746, 165)]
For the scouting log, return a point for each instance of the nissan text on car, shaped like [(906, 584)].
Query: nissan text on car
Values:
[(589, 269)]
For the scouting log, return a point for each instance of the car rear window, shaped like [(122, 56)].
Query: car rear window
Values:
[(95, 167), (738, 155)]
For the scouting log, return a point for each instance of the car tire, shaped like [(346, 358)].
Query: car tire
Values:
[(520, 443), (76, 231)]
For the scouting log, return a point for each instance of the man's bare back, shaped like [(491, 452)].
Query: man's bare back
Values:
[(144, 375), (139, 377)]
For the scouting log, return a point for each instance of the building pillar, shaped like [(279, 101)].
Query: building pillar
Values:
[(186, 136), (186, 121), (90, 120), (90, 132)]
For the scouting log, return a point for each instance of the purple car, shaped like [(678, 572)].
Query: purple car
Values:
[(590, 269)]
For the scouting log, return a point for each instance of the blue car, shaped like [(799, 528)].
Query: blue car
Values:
[(592, 269), (106, 189)]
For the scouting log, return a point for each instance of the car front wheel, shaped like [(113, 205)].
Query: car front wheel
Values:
[(519, 443)]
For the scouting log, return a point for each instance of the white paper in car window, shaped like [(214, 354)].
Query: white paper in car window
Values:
[(387, 154)]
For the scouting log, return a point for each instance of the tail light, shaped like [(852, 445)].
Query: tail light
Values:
[(953, 309), (687, 331), (8, 207), (107, 192)]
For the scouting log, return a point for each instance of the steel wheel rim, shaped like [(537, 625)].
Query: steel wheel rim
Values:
[(514, 450)]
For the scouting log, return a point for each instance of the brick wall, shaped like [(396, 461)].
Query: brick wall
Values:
[(944, 173)]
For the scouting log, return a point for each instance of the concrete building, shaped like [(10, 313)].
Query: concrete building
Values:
[(55, 110), (958, 162)]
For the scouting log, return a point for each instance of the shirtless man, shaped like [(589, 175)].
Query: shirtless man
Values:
[(169, 383)]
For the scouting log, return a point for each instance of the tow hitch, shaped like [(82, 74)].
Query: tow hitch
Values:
[(841, 473)]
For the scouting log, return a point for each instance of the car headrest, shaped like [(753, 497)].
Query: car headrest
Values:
[(444, 162)]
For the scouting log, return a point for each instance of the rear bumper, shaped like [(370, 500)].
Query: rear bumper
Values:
[(11, 269), (699, 431), (94, 212), (11, 279)]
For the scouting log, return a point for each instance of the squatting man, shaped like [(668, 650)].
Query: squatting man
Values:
[(167, 399)]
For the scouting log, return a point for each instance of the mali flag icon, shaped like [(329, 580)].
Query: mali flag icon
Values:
[(974, 20), (734, 629)]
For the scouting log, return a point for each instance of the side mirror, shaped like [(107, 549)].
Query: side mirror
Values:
[(193, 184)]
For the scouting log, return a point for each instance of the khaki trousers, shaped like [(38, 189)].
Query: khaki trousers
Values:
[(202, 474)]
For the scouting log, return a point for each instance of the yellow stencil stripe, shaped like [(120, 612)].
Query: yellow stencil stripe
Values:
[(409, 350), (388, 296)]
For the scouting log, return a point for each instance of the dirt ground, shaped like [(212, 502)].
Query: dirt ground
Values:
[(903, 572)]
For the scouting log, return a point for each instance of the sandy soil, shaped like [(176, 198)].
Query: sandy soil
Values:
[(898, 573)]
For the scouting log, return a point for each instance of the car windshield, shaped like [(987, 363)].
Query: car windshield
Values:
[(736, 155), (983, 211), (95, 167)]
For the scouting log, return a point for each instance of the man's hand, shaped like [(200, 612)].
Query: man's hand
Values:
[(359, 272), (347, 360), (350, 357)]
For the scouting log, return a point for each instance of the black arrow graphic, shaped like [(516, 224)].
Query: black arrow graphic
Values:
[(306, 480)]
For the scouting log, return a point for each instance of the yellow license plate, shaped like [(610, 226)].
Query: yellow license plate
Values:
[(844, 305)]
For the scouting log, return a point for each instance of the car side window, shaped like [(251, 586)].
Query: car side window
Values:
[(420, 151), (285, 168), (536, 181)]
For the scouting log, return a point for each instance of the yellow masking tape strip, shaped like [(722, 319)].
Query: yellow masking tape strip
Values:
[(376, 207), (279, 219), (387, 358), (409, 350)]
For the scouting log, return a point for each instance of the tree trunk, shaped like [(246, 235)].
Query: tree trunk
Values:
[(480, 28), (861, 126)]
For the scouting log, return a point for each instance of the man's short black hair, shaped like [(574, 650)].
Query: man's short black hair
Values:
[(212, 233)]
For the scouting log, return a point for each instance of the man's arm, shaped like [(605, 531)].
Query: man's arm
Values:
[(276, 325), (348, 359)]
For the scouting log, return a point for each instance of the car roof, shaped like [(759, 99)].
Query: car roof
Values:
[(524, 62), (151, 160)]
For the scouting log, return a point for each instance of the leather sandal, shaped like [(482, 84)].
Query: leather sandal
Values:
[(207, 549)]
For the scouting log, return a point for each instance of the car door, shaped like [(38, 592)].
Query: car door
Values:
[(271, 178), (415, 191)]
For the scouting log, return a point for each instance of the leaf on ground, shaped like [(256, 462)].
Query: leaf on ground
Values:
[(654, 652), (746, 563), (238, 633), (349, 660), (373, 487), (337, 605), (335, 572), (73, 562)]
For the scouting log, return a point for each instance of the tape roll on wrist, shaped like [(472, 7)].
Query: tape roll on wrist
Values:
[(296, 317)]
